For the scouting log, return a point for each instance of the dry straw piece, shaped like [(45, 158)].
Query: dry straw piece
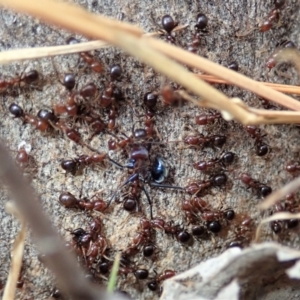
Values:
[(16, 254), (149, 50)]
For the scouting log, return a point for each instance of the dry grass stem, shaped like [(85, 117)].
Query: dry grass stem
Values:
[(283, 88), (34, 53), (278, 216), (40, 52), (16, 255), (276, 116), (291, 187), (158, 33), (262, 116), (196, 61), (77, 19)]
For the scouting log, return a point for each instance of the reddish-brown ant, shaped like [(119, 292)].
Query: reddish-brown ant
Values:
[(153, 285), (289, 205), (138, 273), (242, 230), (44, 121), (206, 141), (205, 119), (273, 16), (171, 97), (181, 235), (272, 60), (263, 190), (226, 158), (74, 165), (197, 187), (261, 148), (23, 157), (92, 244), (210, 216), (200, 27), (292, 167), (70, 201), (142, 238), (24, 79), (72, 106), (88, 58), (39, 122)]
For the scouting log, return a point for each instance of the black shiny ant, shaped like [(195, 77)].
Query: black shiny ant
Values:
[(143, 173), (69, 81)]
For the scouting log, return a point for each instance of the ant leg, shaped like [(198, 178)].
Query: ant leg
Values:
[(149, 201), (129, 165), (115, 163), (166, 186), (130, 179)]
